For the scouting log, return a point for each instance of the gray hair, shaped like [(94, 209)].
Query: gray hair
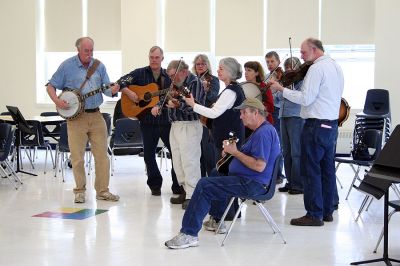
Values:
[(233, 67), (175, 63), (315, 43), (203, 58), (79, 41), (155, 47), (292, 61)]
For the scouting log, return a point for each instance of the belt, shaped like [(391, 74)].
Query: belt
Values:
[(94, 110)]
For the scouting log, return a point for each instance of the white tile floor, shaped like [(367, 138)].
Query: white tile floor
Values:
[(133, 230)]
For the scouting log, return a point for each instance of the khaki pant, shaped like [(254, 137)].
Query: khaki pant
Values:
[(92, 127), (185, 139)]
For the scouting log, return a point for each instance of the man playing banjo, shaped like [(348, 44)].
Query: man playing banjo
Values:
[(84, 74)]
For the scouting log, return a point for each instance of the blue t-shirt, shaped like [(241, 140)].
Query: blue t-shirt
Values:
[(262, 144)]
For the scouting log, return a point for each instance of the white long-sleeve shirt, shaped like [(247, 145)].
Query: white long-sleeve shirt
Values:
[(224, 102), (321, 91)]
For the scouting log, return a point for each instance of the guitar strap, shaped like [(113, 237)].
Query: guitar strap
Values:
[(90, 72)]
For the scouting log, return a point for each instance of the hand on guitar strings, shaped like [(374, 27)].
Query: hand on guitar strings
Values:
[(131, 94), (155, 110), (229, 146)]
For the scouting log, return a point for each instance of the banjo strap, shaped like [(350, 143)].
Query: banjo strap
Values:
[(90, 72)]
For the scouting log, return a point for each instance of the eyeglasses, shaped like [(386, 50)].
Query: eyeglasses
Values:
[(201, 64)]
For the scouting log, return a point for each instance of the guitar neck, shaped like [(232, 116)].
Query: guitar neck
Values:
[(99, 90), (160, 92)]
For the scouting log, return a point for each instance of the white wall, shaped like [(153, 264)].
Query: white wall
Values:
[(139, 31), (387, 41)]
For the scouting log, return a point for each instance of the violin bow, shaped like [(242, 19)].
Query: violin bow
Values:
[(171, 86)]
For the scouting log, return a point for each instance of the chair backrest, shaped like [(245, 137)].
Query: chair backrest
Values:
[(49, 114), (33, 138), (63, 145), (117, 112), (271, 187), (107, 118), (127, 134), (6, 140), (366, 140), (377, 102)]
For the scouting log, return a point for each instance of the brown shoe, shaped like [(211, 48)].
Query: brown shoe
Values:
[(307, 221), (178, 200)]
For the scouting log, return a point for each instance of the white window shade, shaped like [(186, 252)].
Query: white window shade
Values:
[(104, 24), (187, 25), (347, 22), (63, 24), (288, 18), (239, 28)]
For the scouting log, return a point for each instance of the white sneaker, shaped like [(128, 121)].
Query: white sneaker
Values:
[(212, 225), (182, 241), (80, 197)]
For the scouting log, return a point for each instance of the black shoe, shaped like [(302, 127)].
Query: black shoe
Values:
[(307, 221), (328, 218), (156, 192), (336, 207), (283, 189), (295, 192), (178, 191), (178, 200), (185, 204)]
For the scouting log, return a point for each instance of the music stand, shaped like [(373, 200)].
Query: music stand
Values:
[(22, 126), (385, 170)]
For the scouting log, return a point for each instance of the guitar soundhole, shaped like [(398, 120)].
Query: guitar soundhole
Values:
[(143, 103), (147, 97)]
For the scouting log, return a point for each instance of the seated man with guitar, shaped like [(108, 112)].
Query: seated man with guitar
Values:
[(141, 89), (186, 129), (84, 75), (249, 171)]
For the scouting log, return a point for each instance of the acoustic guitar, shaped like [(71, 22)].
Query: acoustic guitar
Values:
[(149, 96), (344, 112), (223, 163)]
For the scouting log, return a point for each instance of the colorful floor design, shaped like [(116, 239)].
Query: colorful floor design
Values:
[(71, 213)]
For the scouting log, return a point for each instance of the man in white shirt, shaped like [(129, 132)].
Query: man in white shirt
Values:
[(319, 97)]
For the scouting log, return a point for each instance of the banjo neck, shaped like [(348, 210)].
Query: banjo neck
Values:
[(101, 89)]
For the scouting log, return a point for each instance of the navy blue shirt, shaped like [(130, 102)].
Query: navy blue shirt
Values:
[(144, 76)]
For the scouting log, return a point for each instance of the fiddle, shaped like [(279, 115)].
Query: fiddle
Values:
[(276, 75), (292, 76), (206, 78)]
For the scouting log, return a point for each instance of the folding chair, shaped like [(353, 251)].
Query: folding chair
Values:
[(127, 135), (259, 200), (6, 143), (373, 140)]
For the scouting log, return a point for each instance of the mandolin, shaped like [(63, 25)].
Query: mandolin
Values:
[(223, 163)]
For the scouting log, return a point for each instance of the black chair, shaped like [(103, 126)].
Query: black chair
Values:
[(52, 131), (376, 104), (107, 119), (6, 143), (35, 139), (127, 135), (62, 152), (372, 139), (259, 200)]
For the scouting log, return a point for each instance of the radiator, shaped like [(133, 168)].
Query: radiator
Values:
[(344, 141)]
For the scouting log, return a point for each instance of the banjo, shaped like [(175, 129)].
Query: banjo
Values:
[(76, 101)]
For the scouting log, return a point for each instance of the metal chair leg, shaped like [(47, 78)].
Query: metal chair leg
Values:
[(233, 222), (354, 179)]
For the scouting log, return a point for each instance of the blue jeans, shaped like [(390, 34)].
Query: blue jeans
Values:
[(207, 159), (215, 188), (277, 126), (318, 168), (291, 128), (151, 134)]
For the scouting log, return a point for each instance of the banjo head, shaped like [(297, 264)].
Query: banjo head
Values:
[(73, 98), (251, 90)]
